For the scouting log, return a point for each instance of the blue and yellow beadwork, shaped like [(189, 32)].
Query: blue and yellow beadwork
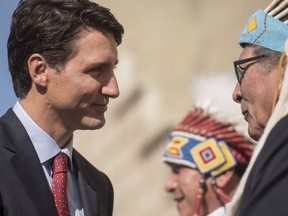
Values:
[(265, 31), (209, 156)]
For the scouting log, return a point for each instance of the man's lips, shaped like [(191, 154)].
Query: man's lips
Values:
[(100, 107), (178, 199), (246, 115)]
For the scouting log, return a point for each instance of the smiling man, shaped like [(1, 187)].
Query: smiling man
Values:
[(208, 151), (62, 54)]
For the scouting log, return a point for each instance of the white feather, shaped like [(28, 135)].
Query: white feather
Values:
[(213, 93)]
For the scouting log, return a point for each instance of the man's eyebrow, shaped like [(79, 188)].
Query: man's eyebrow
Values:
[(109, 63), (102, 64)]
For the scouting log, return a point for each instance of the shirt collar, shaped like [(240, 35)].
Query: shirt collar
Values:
[(46, 148), (218, 212)]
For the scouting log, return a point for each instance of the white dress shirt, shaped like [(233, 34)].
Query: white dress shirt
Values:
[(46, 148)]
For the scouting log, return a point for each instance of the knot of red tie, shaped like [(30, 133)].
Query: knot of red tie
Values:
[(60, 163)]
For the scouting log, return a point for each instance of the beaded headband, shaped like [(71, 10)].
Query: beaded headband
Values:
[(268, 28), (204, 144), (209, 156)]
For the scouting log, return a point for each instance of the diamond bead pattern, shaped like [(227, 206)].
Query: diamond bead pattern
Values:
[(59, 184)]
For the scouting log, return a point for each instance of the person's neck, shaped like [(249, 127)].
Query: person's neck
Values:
[(39, 112)]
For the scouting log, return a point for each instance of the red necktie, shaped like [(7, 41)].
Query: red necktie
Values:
[(59, 184)]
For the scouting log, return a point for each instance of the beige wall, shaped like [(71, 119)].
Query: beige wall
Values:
[(167, 43)]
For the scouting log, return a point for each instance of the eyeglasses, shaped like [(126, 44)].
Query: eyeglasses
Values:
[(241, 71)]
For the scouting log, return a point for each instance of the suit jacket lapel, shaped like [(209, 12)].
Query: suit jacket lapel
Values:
[(29, 169), (88, 196), (31, 174)]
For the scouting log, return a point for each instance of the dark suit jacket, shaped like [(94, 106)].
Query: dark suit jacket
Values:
[(266, 190), (24, 190)]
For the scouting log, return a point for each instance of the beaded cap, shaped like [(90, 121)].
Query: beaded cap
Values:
[(268, 28)]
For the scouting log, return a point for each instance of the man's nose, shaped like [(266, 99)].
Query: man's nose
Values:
[(171, 183), (237, 95), (111, 89)]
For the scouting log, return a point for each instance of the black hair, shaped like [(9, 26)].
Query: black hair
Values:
[(50, 28)]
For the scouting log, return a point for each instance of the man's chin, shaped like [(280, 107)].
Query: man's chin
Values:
[(184, 209), (255, 135), (93, 124)]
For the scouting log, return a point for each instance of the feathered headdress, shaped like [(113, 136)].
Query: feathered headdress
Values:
[(212, 137)]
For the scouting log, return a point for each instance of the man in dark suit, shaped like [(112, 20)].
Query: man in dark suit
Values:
[(61, 58), (262, 91)]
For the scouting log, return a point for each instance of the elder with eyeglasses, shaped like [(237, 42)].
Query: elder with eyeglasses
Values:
[(262, 91), (257, 87)]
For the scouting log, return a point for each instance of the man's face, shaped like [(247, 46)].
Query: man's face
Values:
[(183, 184), (79, 93), (256, 93)]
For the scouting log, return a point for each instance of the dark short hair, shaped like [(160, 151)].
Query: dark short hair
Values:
[(50, 28)]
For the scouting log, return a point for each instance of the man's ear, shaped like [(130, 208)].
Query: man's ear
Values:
[(225, 179), (37, 66)]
